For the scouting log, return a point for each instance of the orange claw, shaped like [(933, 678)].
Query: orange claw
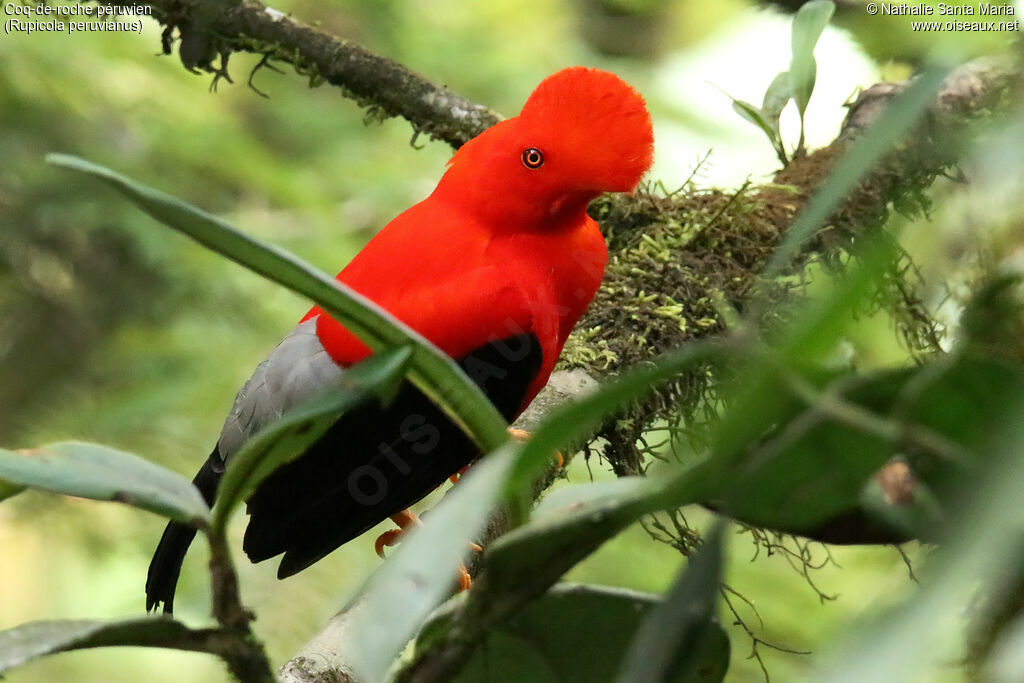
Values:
[(465, 580), (404, 520)]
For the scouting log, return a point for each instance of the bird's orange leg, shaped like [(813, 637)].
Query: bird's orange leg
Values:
[(404, 520)]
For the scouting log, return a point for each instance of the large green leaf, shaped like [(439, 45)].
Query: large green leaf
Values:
[(526, 561), (815, 463), (431, 370), (26, 642), (101, 473), (671, 643), (376, 377), (808, 23), (981, 550), (580, 633)]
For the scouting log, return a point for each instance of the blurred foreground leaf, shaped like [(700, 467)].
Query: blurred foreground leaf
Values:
[(982, 549), (672, 642), (420, 574), (26, 642), (101, 473), (581, 633)]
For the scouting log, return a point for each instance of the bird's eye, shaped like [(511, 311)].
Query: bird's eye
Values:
[(533, 158)]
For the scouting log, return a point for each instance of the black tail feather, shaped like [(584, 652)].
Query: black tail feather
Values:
[(165, 566)]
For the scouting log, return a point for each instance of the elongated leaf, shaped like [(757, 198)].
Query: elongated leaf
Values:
[(567, 498), (808, 23), (420, 574), (577, 419), (815, 465), (529, 559), (431, 370), (754, 115), (24, 643), (376, 377), (669, 644), (580, 633), (776, 97), (92, 471)]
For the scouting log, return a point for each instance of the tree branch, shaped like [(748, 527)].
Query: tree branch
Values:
[(209, 30)]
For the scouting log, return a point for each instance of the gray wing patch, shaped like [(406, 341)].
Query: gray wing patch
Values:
[(295, 371)]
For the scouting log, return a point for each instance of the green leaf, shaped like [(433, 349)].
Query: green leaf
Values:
[(527, 560), (101, 473), (963, 399), (753, 114), (577, 419), (432, 371), (782, 481), (580, 633), (776, 97), (561, 500), (671, 643), (420, 574), (376, 377), (26, 642), (808, 23), (785, 483)]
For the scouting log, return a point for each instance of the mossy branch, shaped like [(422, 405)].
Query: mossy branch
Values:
[(209, 31)]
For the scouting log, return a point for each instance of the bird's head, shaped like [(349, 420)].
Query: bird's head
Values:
[(582, 132)]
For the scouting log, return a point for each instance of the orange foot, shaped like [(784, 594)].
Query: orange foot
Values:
[(404, 520), (523, 435)]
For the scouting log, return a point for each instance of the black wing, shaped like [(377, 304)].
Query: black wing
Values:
[(375, 462)]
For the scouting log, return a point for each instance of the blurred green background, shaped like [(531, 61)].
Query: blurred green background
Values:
[(115, 330)]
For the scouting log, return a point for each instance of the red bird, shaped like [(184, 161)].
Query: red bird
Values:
[(494, 267)]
